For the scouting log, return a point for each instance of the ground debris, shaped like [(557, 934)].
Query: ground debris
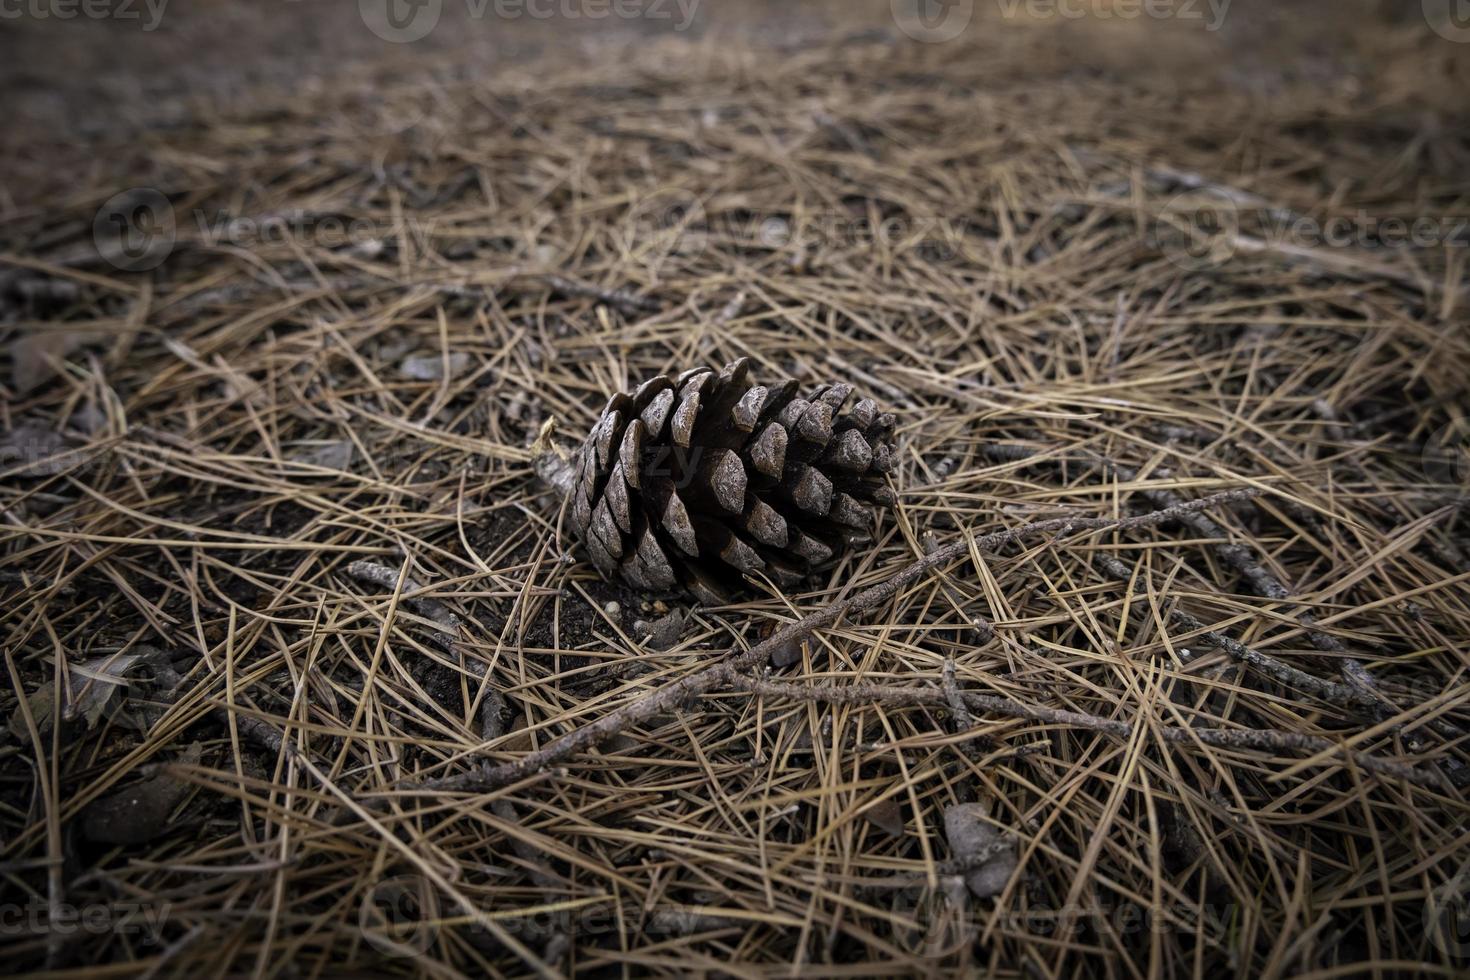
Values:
[(94, 687), (887, 816), (335, 455), (138, 813), (989, 857), (662, 633), (435, 367)]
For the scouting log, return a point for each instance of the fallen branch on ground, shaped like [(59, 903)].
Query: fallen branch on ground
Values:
[(722, 674), (1238, 556), (1225, 738), (1360, 701)]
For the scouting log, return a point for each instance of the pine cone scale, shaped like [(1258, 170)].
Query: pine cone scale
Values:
[(747, 410), (768, 452), (657, 412), (630, 453), (714, 479)]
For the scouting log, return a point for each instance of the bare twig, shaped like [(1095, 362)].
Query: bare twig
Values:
[(1242, 738), (1237, 556), (381, 575), (734, 661), (622, 299), (952, 697)]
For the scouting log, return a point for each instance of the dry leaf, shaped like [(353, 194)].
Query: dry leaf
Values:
[(41, 702), (94, 682), (34, 353), (887, 816), (328, 455), (90, 690), (31, 449), (664, 633), (788, 653), (520, 738), (621, 744), (140, 812), (430, 367), (972, 838)]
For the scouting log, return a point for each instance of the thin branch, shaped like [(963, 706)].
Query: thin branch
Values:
[(1237, 556), (1242, 738), (722, 674)]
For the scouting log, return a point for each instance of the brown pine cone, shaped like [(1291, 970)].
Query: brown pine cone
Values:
[(698, 480)]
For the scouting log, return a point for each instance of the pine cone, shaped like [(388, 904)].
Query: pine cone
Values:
[(700, 479)]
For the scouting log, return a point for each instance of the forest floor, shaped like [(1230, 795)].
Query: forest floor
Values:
[(303, 668)]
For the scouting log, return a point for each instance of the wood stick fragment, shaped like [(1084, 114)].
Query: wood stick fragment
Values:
[(622, 299), (1237, 556), (721, 674), (1244, 738)]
